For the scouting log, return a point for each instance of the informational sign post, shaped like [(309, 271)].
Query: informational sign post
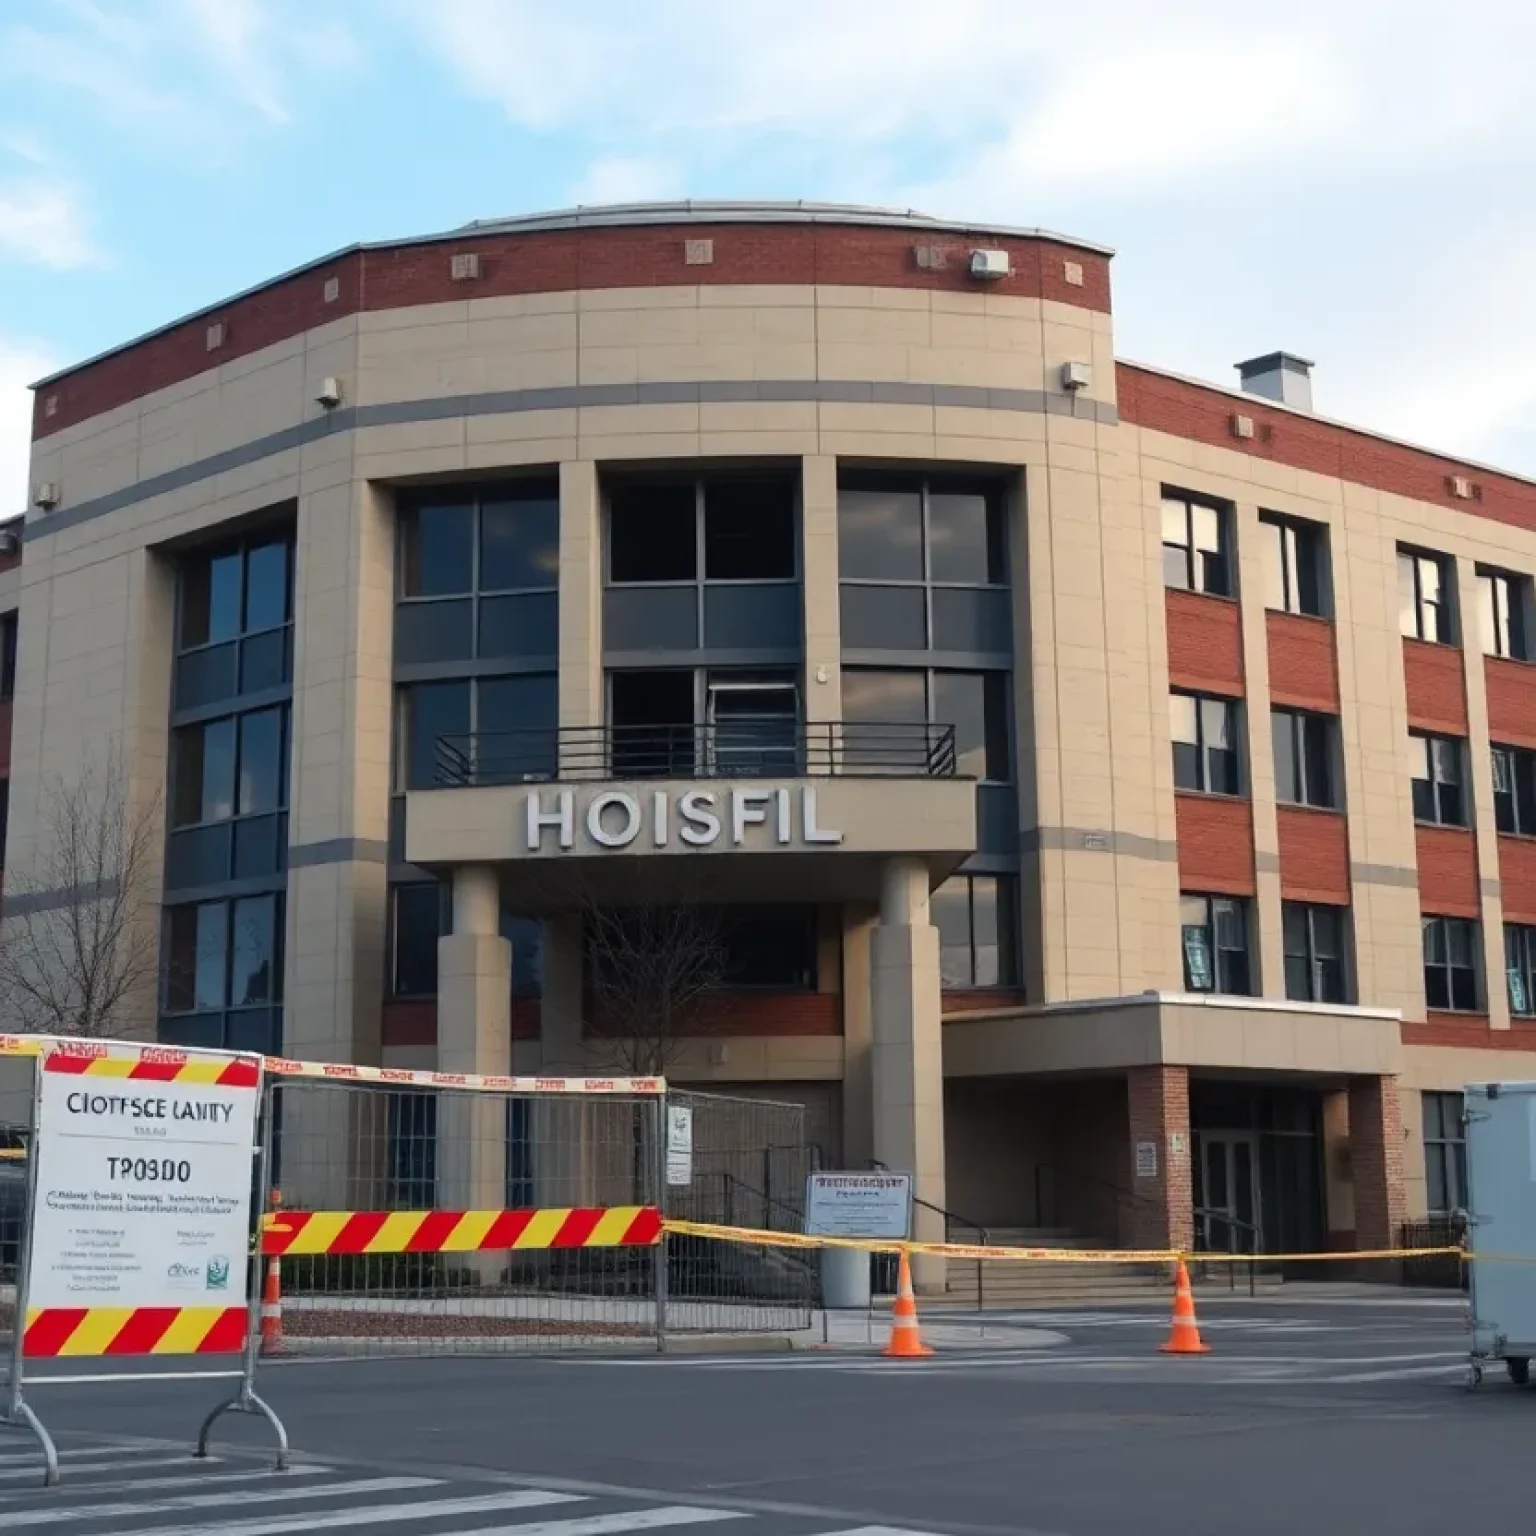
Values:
[(871, 1205), (144, 1184), (679, 1144)]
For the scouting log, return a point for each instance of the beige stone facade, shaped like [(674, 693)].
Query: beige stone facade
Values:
[(812, 379)]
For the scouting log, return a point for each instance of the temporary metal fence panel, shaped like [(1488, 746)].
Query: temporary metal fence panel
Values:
[(423, 1212), (747, 1166)]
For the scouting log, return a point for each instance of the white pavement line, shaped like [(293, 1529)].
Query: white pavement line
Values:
[(370, 1514), (197, 1480), (1407, 1371), (97, 1462), (880, 1530), (612, 1525), (28, 1518)]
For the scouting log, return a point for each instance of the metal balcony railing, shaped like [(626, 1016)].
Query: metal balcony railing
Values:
[(763, 747)]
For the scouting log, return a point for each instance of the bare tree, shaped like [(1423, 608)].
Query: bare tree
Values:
[(79, 944), (653, 967)]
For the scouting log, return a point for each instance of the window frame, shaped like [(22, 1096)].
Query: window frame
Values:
[(1437, 785), (1303, 723), (228, 943), (1444, 1151), (1202, 748), (1005, 899), (1192, 552), (1520, 967), (994, 691), (1212, 909), (1300, 547), (1411, 564), (10, 633), (1514, 807), (993, 489), (1310, 912), (1472, 998), (1510, 638)]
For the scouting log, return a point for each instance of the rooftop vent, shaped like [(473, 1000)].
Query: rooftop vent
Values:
[(1279, 376)]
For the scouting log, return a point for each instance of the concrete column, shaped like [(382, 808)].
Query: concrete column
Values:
[(474, 1034), (581, 595), (1163, 1212), (821, 614), (858, 1085), (906, 1051), (1339, 1193), (1376, 1155)]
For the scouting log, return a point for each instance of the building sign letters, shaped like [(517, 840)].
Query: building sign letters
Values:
[(698, 818)]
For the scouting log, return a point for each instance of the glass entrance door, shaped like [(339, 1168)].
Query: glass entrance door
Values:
[(1229, 1197)]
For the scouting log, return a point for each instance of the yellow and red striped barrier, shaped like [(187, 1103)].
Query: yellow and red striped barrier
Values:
[(291, 1233), (56, 1332), (152, 1064)]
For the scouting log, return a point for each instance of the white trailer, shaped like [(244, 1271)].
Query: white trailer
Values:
[(1501, 1216)]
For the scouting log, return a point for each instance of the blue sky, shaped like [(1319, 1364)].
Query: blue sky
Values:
[(1353, 180)]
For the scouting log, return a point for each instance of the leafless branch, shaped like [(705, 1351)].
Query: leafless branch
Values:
[(79, 946)]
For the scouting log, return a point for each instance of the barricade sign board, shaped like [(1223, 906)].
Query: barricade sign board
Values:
[(142, 1216), (873, 1205), (679, 1144)]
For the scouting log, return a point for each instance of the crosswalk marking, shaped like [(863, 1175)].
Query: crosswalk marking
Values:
[(96, 1461), (200, 1480), (613, 1525), (372, 1514), (28, 1518)]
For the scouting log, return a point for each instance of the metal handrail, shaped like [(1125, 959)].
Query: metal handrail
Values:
[(763, 747), (1122, 1196), (1234, 1224)]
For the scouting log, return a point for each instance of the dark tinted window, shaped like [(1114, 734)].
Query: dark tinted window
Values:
[(197, 943), (8, 632), (977, 923), (884, 695), (414, 930), (770, 947), (262, 761), (975, 703), (965, 534), (516, 728), (266, 586), (1450, 964), (884, 618), (527, 625), (1514, 790), (254, 968), (437, 550), (880, 529), (203, 773), (749, 529), (429, 710), (520, 543), (652, 531), (434, 631), (1303, 753)]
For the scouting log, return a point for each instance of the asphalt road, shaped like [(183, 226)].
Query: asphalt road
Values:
[(1315, 1417)]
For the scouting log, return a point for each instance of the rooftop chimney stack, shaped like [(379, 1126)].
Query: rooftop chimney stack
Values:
[(1279, 376)]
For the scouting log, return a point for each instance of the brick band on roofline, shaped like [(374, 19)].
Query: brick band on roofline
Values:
[(513, 261)]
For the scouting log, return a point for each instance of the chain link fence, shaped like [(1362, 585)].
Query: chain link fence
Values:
[(555, 1274), (749, 1163)]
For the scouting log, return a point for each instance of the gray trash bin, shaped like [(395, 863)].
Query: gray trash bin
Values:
[(845, 1278)]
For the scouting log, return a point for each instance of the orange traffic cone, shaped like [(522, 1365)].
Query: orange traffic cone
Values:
[(906, 1342), (272, 1309), (1184, 1336)]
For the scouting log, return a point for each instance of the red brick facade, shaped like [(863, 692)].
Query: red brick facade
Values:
[(1376, 1156), (1447, 859), (561, 261), (1202, 413), (1437, 691), (1303, 664), (1215, 845), (1162, 1213), (1314, 855), (1517, 878), (1511, 701), (1205, 643)]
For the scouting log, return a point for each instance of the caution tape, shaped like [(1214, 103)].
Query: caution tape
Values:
[(348, 1072), (56, 1332), (294, 1233), (761, 1237)]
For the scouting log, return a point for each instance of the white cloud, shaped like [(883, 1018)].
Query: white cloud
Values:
[(21, 362), (627, 179), (45, 223)]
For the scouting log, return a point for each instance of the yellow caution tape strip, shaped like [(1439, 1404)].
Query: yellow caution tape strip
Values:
[(760, 1237)]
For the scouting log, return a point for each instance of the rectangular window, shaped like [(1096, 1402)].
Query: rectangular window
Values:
[(520, 539), (770, 948), (1214, 934), (1520, 967), (1503, 604), (749, 528), (1438, 794), (224, 954), (414, 928), (908, 528), (1205, 750), (880, 706), (1450, 964), (437, 542), (1445, 1152), (8, 633), (1196, 556), (977, 919), (1514, 791), (1294, 561), (1314, 953), (1425, 609), (429, 711), (1304, 757)]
